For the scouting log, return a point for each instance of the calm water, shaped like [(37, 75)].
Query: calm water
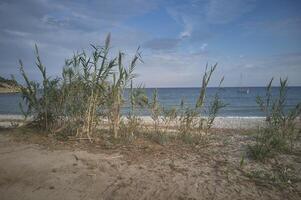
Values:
[(239, 104)]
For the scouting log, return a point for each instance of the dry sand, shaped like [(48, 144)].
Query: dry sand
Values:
[(42, 168)]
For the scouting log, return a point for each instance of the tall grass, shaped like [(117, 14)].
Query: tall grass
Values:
[(42, 107), (169, 117), (280, 131), (137, 100), (192, 124), (90, 95), (195, 120), (115, 90), (155, 109), (90, 89)]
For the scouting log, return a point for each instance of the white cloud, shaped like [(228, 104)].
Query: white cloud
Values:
[(16, 33), (204, 46), (198, 16), (62, 27)]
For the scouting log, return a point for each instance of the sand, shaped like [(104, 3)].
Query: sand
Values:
[(34, 169), (220, 122)]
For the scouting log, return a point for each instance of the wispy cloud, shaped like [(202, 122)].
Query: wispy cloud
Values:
[(62, 27), (177, 37), (198, 15)]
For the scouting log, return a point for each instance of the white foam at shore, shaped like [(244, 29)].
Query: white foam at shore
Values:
[(11, 117), (7, 120)]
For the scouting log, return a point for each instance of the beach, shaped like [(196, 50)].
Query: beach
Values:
[(146, 165), (220, 122), (37, 167), (139, 99)]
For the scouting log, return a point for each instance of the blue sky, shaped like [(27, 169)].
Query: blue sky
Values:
[(259, 39)]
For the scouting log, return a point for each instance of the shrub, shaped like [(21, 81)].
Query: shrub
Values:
[(159, 137), (155, 110), (43, 106), (215, 107), (193, 120), (169, 117), (115, 90), (280, 131), (188, 119), (90, 88), (137, 99)]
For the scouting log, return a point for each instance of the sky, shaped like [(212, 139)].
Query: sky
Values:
[(251, 40)]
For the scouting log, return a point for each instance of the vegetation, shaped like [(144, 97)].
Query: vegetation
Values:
[(169, 117), (278, 175), (8, 85), (155, 110), (41, 106), (137, 99), (280, 131), (88, 91), (90, 95), (193, 126), (8, 81)]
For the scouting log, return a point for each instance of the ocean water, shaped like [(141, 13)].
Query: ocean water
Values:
[(238, 104)]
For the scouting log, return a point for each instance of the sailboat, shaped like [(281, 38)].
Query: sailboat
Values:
[(243, 89)]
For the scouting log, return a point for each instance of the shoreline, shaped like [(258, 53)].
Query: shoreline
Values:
[(20, 116), (229, 122), (9, 92)]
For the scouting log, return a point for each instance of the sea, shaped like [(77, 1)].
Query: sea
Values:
[(240, 102)]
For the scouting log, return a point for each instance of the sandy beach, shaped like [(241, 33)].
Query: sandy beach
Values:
[(220, 122), (150, 100), (34, 167)]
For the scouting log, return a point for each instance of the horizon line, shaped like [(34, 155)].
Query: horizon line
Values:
[(184, 87)]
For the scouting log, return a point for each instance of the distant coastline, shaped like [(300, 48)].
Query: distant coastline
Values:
[(8, 91), (239, 105), (8, 86)]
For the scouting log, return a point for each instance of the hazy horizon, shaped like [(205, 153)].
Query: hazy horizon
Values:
[(256, 39)]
